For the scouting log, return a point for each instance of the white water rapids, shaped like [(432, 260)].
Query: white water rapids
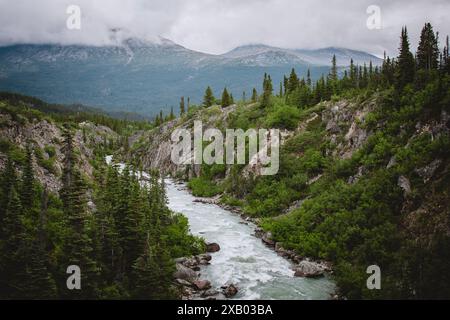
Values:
[(243, 259)]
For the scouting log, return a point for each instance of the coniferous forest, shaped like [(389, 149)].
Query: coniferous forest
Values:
[(386, 202)]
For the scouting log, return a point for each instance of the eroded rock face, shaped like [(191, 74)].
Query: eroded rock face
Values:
[(403, 182), (427, 172), (44, 135)]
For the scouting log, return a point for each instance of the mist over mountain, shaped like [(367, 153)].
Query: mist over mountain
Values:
[(142, 76)]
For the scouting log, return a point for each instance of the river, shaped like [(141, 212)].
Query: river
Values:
[(243, 260)]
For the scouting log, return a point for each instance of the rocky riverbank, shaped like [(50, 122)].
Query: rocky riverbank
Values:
[(302, 266), (191, 286)]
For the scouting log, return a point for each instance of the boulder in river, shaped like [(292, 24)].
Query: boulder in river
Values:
[(309, 269), (212, 247), (184, 273), (209, 293), (267, 239), (205, 256), (202, 284), (230, 291), (183, 282)]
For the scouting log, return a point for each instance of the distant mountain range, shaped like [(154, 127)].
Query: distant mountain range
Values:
[(135, 75)]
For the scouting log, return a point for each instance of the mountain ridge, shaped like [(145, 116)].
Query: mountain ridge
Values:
[(140, 76)]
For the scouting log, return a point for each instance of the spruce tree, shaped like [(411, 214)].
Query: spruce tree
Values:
[(267, 91), (308, 78), (77, 247), (13, 251), (254, 95), (28, 183), (225, 98), (333, 72), (208, 98), (182, 109), (405, 62), (428, 50), (292, 82)]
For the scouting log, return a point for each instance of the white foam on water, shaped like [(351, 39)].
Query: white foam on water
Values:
[(243, 260)]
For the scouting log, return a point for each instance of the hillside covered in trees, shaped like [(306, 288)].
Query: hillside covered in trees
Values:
[(364, 167), (364, 180), (61, 205)]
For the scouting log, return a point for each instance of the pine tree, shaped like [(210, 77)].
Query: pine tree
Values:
[(333, 72), (77, 247), (267, 91), (244, 97), (225, 98), (153, 271), (13, 251), (231, 99), (428, 50), (406, 64), (8, 181), (208, 98), (182, 109), (40, 283), (28, 183), (353, 74), (308, 78), (171, 115), (286, 84), (254, 95), (292, 82)]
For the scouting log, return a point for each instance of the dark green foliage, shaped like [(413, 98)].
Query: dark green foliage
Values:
[(226, 99), (406, 63), (254, 95), (428, 50), (208, 98), (182, 107)]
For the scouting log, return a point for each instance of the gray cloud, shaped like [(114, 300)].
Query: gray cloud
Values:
[(216, 26)]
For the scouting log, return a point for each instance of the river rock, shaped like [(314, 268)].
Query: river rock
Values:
[(202, 284), (308, 269), (212, 247), (180, 260), (184, 273), (183, 282), (205, 256), (230, 291), (209, 293), (267, 239)]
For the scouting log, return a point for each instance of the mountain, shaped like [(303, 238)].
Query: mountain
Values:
[(141, 76), (309, 56)]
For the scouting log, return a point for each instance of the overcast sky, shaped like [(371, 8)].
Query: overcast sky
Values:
[(216, 26)]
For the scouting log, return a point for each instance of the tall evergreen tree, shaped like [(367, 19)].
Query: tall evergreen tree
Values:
[(182, 108), (308, 78), (292, 82), (208, 98), (334, 72), (405, 62), (28, 183), (267, 91), (254, 95), (225, 98), (77, 247), (428, 50)]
